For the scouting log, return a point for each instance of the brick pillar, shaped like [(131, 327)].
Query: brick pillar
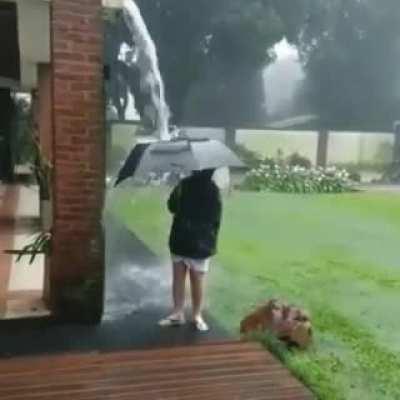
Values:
[(77, 260)]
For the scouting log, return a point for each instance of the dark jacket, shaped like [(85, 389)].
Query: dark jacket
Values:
[(197, 208)]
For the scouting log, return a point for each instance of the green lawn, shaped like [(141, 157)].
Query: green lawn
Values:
[(337, 255)]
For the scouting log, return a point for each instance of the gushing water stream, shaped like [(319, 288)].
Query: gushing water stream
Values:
[(148, 65), (133, 281)]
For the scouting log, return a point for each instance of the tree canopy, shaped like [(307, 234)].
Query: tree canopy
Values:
[(351, 55), (213, 53)]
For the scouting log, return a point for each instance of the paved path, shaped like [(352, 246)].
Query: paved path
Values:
[(137, 296)]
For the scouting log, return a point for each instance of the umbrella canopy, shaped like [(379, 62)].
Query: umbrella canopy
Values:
[(131, 162), (180, 156)]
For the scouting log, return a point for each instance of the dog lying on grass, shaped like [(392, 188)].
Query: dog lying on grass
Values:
[(288, 323)]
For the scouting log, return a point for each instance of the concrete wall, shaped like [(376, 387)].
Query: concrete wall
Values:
[(34, 39), (210, 133), (358, 147), (268, 143), (343, 147)]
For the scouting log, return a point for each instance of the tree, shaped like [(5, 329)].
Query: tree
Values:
[(211, 55), (350, 50)]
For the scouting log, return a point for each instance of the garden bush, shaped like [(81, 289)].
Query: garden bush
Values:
[(295, 179), (297, 160)]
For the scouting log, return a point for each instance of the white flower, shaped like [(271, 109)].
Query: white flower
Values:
[(296, 169)]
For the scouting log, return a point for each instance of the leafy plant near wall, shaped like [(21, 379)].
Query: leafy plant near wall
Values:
[(295, 179), (41, 244)]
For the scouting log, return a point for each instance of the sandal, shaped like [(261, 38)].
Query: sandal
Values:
[(200, 325), (172, 320)]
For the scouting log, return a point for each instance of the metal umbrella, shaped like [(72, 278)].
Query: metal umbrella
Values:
[(179, 156)]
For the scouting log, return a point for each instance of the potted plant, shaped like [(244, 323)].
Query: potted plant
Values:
[(42, 170)]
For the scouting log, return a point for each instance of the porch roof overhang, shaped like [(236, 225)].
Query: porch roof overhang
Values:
[(25, 41)]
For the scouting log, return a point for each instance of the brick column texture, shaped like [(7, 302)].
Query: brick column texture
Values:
[(78, 141)]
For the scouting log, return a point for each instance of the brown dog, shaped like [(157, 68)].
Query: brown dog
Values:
[(261, 319), (288, 323)]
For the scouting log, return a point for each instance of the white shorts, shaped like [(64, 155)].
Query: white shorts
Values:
[(199, 265)]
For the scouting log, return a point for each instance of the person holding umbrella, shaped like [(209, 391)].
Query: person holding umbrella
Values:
[(197, 208)]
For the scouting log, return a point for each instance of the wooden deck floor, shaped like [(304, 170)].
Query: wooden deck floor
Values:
[(233, 371)]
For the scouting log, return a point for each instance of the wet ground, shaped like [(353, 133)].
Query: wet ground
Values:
[(137, 296)]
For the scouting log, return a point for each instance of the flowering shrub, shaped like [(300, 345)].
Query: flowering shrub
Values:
[(295, 179), (296, 160)]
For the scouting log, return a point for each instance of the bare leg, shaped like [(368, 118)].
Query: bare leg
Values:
[(197, 289), (177, 317), (178, 287)]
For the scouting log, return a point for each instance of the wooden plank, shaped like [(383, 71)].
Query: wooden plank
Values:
[(61, 361), (234, 370), (160, 366)]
